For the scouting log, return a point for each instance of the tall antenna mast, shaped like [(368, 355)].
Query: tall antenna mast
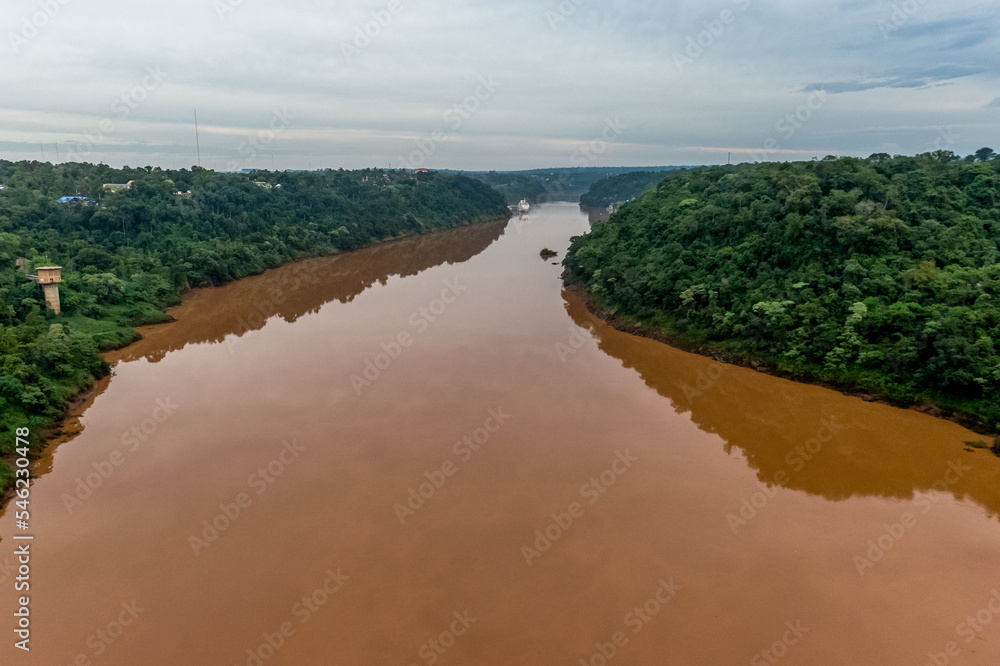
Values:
[(197, 139)]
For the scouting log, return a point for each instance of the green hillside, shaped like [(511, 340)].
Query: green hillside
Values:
[(882, 273)]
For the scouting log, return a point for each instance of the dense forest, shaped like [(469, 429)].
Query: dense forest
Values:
[(622, 188), (547, 185), (879, 273), (128, 253)]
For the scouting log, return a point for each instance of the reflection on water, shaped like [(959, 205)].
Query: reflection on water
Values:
[(291, 291), (231, 473), (287, 292), (595, 215), (785, 429)]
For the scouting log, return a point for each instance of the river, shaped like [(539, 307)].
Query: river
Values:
[(430, 452)]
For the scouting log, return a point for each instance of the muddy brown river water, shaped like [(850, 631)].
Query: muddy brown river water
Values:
[(430, 453)]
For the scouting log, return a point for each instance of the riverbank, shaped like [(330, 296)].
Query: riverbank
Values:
[(56, 431), (841, 288), (722, 354)]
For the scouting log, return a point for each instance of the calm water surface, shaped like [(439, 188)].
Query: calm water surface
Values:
[(433, 430)]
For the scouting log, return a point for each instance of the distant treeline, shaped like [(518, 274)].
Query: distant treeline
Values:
[(128, 254), (881, 273), (545, 185), (622, 188)]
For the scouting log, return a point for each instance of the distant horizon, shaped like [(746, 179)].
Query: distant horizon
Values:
[(610, 166), (595, 153), (361, 168)]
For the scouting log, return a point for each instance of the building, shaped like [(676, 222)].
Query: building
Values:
[(116, 187), (184, 195), (75, 200), (263, 185), (50, 277)]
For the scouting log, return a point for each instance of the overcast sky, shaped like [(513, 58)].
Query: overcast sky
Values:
[(298, 83)]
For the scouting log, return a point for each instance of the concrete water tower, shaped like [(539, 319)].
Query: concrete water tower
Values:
[(50, 277)]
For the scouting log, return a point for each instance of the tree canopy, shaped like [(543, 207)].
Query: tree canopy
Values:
[(883, 273), (622, 188)]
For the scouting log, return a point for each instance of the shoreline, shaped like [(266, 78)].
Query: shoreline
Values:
[(635, 327), (51, 435)]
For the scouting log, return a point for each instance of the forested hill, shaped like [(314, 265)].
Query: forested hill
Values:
[(881, 273), (548, 185), (622, 188), (127, 254)]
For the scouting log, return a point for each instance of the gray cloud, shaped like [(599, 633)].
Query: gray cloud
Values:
[(563, 70)]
